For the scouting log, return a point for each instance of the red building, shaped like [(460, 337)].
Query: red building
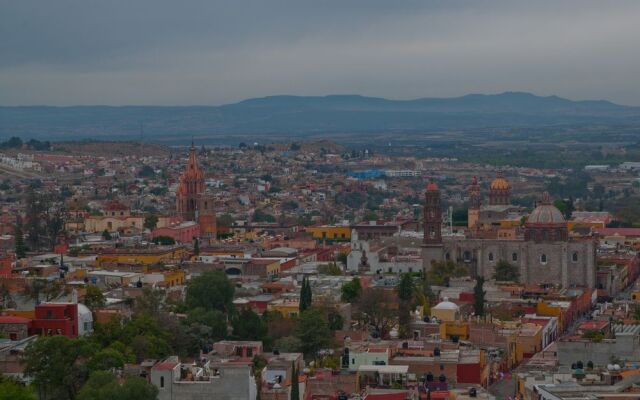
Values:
[(190, 188), (5, 266), (55, 319)]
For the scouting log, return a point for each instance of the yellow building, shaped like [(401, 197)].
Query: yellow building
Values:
[(446, 311), (330, 232), (98, 224), (144, 257), (174, 277), (528, 341), (554, 309), (288, 308), (459, 329)]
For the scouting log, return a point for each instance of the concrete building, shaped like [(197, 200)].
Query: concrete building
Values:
[(220, 381)]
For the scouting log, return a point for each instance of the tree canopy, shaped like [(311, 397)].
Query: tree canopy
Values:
[(505, 272), (104, 386), (211, 291)]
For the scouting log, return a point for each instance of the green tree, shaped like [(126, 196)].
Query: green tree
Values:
[(505, 272), (164, 240), (104, 386), (211, 291), (335, 320), (313, 332), (146, 172), (295, 385), (151, 221), (248, 325), (214, 323), (53, 363), (405, 291), (442, 271), (478, 296), (106, 235), (306, 297), (10, 390), (196, 246), (106, 360), (94, 298), (351, 290)]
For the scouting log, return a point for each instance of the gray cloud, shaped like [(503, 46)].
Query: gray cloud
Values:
[(211, 52)]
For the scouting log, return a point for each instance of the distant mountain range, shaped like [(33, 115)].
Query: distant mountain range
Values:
[(311, 115)]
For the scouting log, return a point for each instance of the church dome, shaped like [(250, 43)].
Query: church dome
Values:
[(446, 305), (432, 187), (500, 183), (546, 213)]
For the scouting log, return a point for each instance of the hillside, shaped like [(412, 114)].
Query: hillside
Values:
[(301, 116)]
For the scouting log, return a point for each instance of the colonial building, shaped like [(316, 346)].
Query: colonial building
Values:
[(542, 250), (192, 202)]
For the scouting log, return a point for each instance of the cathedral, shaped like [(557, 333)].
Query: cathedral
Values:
[(192, 201), (541, 248)]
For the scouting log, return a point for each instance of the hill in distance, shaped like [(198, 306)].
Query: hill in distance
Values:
[(300, 116)]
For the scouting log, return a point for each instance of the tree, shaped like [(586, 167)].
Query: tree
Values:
[(52, 362), (146, 172), (10, 390), (104, 386), (196, 246), (211, 291), (214, 322), (164, 240), (305, 295), (442, 271), (94, 298), (295, 385), (351, 290), (405, 291), (313, 331), (248, 325), (37, 289), (505, 272), (106, 235), (335, 320), (106, 360), (151, 221), (19, 246), (479, 293), (375, 311)]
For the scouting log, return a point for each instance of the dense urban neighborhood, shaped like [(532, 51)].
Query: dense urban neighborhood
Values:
[(311, 270)]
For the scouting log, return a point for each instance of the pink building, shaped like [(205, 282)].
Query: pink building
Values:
[(181, 233)]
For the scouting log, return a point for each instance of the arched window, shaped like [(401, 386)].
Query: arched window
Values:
[(514, 257), (490, 256), (574, 256), (543, 259)]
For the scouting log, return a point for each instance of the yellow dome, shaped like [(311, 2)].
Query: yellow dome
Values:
[(500, 184)]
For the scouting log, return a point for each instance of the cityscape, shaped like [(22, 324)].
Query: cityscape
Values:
[(315, 246)]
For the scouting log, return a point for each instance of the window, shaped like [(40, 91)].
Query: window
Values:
[(410, 269), (467, 256), (514, 257), (543, 259), (574, 256), (162, 381), (390, 269), (490, 256), (447, 256)]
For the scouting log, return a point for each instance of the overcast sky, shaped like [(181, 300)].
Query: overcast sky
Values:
[(182, 52)]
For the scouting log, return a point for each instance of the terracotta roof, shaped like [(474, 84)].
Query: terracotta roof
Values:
[(166, 365)]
